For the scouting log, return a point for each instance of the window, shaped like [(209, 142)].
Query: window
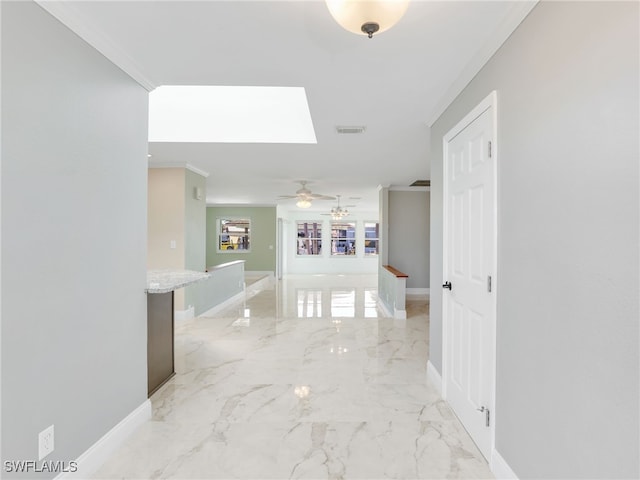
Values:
[(371, 236), (343, 238), (309, 238), (234, 234)]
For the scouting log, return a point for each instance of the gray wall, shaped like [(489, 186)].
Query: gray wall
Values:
[(74, 148), (408, 227), (567, 374), (223, 284), (195, 230), (263, 234)]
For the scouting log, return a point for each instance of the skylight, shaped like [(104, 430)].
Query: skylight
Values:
[(230, 114)]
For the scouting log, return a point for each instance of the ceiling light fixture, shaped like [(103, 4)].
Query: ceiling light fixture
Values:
[(303, 203), (338, 213), (367, 16)]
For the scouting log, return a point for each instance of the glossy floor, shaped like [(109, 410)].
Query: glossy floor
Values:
[(305, 379)]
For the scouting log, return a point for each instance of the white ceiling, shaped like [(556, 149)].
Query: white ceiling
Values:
[(395, 84)]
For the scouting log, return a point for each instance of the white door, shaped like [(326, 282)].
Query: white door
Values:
[(469, 267)]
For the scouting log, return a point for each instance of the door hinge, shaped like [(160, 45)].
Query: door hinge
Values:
[(489, 283), (487, 415), (489, 149)]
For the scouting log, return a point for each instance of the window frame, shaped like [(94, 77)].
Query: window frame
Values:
[(346, 238), (318, 238), (366, 239), (219, 234)]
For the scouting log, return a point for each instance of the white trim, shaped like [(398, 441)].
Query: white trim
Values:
[(254, 273), (397, 314), (225, 265), (202, 173), (95, 456), (259, 285), (489, 101), (511, 21), (407, 188), (421, 293), (500, 468), (68, 15), (268, 276), (279, 247), (185, 165), (433, 376), (400, 314), (227, 303), (184, 315), (385, 309)]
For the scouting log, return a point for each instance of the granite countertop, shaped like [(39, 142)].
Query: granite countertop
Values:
[(163, 281)]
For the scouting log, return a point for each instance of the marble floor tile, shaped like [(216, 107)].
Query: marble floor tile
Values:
[(305, 379)]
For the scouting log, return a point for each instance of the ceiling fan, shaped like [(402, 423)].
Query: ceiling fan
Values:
[(305, 196), (337, 212)]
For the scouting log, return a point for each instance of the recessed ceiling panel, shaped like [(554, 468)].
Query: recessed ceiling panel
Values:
[(230, 114)]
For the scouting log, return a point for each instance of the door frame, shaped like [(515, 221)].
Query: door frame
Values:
[(279, 248), (491, 101)]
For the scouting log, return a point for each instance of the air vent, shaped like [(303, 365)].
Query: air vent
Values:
[(350, 129), (421, 183)]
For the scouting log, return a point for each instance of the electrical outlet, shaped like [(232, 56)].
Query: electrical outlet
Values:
[(45, 442), (172, 244)]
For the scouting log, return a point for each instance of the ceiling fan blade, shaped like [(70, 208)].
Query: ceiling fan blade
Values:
[(317, 196), (287, 196)]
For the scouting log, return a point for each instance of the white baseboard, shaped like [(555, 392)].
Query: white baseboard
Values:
[(184, 315), (259, 285), (95, 456), (419, 293), (396, 314), (434, 377), (385, 309), (257, 273), (238, 297), (500, 468)]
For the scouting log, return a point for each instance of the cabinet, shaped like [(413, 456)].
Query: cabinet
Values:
[(160, 326)]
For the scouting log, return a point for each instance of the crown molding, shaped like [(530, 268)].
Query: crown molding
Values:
[(190, 167), (507, 26), (403, 188), (69, 16), (184, 165)]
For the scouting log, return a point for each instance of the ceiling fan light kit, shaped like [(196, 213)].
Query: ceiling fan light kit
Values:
[(367, 16), (338, 213), (304, 196)]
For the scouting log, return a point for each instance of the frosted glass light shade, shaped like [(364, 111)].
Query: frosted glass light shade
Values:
[(353, 14), (303, 203)]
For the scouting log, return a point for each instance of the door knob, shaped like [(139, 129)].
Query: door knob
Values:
[(447, 285)]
